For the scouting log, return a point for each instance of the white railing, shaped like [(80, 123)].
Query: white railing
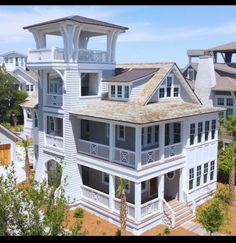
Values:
[(95, 149), (54, 141), (150, 207), (188, 197), (172, 150), (129, 207), (54, 100), (96, 196), (125, 157), (150, 156), (45, 55), (92, 56), (172, 212)]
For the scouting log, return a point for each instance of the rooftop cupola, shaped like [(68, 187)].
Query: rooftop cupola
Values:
[(76, 32)]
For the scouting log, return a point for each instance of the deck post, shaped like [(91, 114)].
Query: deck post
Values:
[(137, 204), (161, 191), (138, 148), (111, 192)]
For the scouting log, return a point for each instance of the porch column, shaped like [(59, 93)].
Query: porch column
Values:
[(111, 141), (138, 147), (182, 181), (162, 140), (161, 191), (137, 204), (111, 192)]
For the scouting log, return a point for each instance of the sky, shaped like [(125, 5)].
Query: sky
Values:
[(155, 34)]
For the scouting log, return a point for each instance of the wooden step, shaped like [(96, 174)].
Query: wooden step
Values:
[(183, 220)]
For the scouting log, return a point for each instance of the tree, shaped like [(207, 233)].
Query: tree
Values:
[(227, 164), (25, 144), (10, 98), (34, 209), (230, 125), (120, 192), (211, 217)]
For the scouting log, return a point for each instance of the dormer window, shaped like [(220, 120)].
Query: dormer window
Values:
[(119, 91), (191, 74), (169, 89)]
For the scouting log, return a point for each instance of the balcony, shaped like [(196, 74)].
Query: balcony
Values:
[(54, 100), (57, 55), (54, 141)]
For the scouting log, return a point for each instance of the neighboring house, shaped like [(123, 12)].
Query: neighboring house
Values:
[(101, 121), (213, 78), (30, 112), (7, 146), (25, 79)]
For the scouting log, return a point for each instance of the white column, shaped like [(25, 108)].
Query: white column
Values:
[(182, 181), (138, 147), (111, 141), (162, 140), (161, 191), (111, 192), (137, 204)]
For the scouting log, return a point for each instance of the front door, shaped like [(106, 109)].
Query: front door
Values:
[(153, 186), (5, 154)]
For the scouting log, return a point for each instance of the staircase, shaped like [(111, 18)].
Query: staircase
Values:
[(183, 213)]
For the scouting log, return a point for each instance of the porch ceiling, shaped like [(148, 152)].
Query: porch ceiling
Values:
[(135, 113)]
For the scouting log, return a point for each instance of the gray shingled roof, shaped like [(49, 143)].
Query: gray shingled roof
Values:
[(225, 47), (79, 19), (131, 112), (224, 83), (228, 68), (31, 101), (14, 53), (132, 74)]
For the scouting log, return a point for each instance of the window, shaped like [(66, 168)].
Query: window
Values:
[(168, 84), (119, 95), (167, 134), (149, 135), (144, 186), (212, 170), (51, 124), (31, 87), (205, 173), (220, 101), (29, 114), (54, 86), (192, 133), (121, 133), (105, 178), (191, 178), (35, 119), (207, 127), (229, 102), (191, 74), (107, 130), (126, 92), (229, 112), (55, 126), (27, 87), (199, 172), (113, 91), (213, 129), (157, 135), (161, 92), (177, 129), (176, 92), (89, 84), (199, 136)]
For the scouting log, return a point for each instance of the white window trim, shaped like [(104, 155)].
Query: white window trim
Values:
[(116, 91), (118, 133), (191, 70), (205, 173), (199, 176), (192, 178), (103, 179)]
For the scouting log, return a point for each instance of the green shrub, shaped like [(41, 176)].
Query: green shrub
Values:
[(166, 230), (223, 194), (6, 125), (79, 213)]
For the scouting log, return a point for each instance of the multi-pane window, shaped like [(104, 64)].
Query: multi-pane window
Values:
[(31, 87), (213, 129), (161, 92), (205, 173), (121, 132), (168, 88), (119, 92), (191, 178), (177, 132), (192, 133), (199, 172), (229, 112), (27, 87), (229, 102), (199, 136), (55, 126), (207, 127), (126, 92), (212, 170), (113, 91), (149, 135), (176, 92), (220, 101), (191, 74)]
